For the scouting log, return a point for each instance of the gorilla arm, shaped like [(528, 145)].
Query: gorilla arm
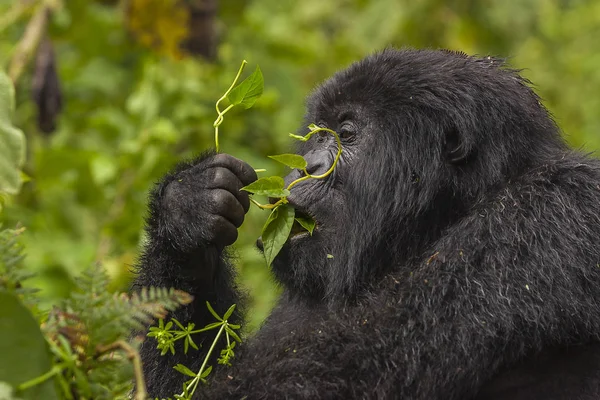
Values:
[(194, 213)]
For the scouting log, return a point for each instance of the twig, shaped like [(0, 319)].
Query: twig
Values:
[(29, 42), (18, 10), (134, 356)]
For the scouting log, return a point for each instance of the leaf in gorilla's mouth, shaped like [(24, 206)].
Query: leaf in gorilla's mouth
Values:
[(285, 222), (302, 223)]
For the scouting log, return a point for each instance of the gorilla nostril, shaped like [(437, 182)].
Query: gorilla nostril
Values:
[(318, 161), (316, 168)]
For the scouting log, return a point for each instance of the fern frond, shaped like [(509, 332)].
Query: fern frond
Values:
[(12, 273)]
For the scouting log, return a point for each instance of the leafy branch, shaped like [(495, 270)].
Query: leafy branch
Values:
[(166, 336), (279, 224), (245, 95)]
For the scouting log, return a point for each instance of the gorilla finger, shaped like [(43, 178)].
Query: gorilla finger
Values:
[(224, 203), (225, 179), (223, 232), (244, 199), (241, 169)]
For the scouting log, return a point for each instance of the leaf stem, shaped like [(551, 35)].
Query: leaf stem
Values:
[(40, 379), (134, 356), (269, 206), (191, 388), (220, 113)]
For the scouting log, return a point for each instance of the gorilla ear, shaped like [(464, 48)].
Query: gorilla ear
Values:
[(458, 148)]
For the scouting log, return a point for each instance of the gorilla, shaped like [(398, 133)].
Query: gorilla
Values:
[(465, 237)]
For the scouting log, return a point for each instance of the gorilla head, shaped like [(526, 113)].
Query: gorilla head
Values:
[(425, 134)]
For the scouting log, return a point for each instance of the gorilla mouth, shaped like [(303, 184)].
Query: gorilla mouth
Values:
[(297, 231)]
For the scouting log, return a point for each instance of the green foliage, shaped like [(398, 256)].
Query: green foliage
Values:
[(87, 334), (248, 91), (306, 223), (24, 350), (277, 230), (291, 160), (272, 186), (12, 141), (244, 94), (167, 334), (12, 273)]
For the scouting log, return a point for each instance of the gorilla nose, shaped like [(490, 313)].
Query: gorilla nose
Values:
[(318, 161)]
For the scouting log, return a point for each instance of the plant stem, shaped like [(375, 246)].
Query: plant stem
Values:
[(40, 379), (36, 28), (269, 206), (134, 356), (194, 383), (220, 113)]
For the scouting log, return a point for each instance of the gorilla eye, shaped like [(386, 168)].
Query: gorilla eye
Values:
[(347, 130)]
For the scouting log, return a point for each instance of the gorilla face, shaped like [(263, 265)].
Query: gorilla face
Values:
[(424, 135)]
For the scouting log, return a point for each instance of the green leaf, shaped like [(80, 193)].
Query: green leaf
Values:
[(276, 231), (24, 350), (186, 345), (248, 91), (307, 223), (298, 137), (212, 326), (184, 370), (12, 141), (291, 160), (233, 334), (229, 312), (179, 324), (272, 186), (206, 372), (213, 312), (191, 342)]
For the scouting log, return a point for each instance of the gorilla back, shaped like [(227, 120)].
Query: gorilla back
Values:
[(465, 238)]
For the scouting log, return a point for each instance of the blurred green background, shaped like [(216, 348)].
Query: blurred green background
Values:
[(138, 81)]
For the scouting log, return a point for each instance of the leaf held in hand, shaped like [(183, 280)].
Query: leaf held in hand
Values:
[(291, 160), (248, 91), (307, 223), (272, 186), (276, 231)]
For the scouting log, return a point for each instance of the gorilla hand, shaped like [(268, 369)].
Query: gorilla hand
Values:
[(202, 204)]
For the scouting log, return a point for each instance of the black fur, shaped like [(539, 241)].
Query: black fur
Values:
[(465, 238)]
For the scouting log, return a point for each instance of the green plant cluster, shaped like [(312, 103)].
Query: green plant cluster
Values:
[(81, 350), (167, 334)]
